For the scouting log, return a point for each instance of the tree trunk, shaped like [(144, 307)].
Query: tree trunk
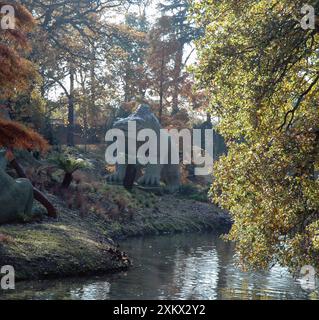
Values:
[(177, 74), (68, 178), (85, 111), (38, 195), (161, 93), (130, 175), (70, 137), (127, 95)]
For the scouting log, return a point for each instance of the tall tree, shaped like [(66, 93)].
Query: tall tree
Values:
[(162, 47), (63, 31), (185, 32), (15, 77), (261, 69), (133, 44)]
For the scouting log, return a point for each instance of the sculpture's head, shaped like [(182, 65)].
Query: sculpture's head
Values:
[(143, 117)]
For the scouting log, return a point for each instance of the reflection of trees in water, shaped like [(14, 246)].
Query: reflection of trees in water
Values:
[(153, 268), (201, 266), (199, 278), (60, 289), (273, 284), (225, 253), (92, 291), (195, 269), (191, 266), (179, 266)]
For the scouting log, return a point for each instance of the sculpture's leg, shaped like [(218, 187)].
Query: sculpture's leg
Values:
[(152, 175), (130, 175), (118, 176), (171, 177)]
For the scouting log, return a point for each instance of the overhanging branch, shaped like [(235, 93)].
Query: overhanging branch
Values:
[(292, 111)]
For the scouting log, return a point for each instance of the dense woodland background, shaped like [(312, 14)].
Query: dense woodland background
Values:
[(96, 60)]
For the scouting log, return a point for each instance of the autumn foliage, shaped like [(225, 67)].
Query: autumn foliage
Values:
[(14, 135), (260, 70), (16, 70), (15, 74)]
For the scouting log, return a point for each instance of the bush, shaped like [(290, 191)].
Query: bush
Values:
[(69, 165)]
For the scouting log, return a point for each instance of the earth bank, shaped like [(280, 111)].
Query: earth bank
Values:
[(75, 244)]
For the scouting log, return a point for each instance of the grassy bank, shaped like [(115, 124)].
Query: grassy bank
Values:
[(78, 244), (168, 214), (69, 245), (92, 216)]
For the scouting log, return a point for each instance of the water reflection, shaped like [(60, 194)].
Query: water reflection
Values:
[(172, 267)]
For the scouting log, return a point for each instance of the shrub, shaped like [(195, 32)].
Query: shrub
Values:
[(69, 165)]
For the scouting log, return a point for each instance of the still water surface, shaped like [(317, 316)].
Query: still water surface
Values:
[(191, 266)]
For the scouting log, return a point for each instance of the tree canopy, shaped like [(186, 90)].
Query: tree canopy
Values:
[(16, 73), (261, 70), (15, 70)]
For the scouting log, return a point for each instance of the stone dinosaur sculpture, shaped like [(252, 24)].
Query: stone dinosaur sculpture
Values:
[(153, 173), (16, 196)]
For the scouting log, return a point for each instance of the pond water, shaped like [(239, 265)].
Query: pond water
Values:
[(189, 266)]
